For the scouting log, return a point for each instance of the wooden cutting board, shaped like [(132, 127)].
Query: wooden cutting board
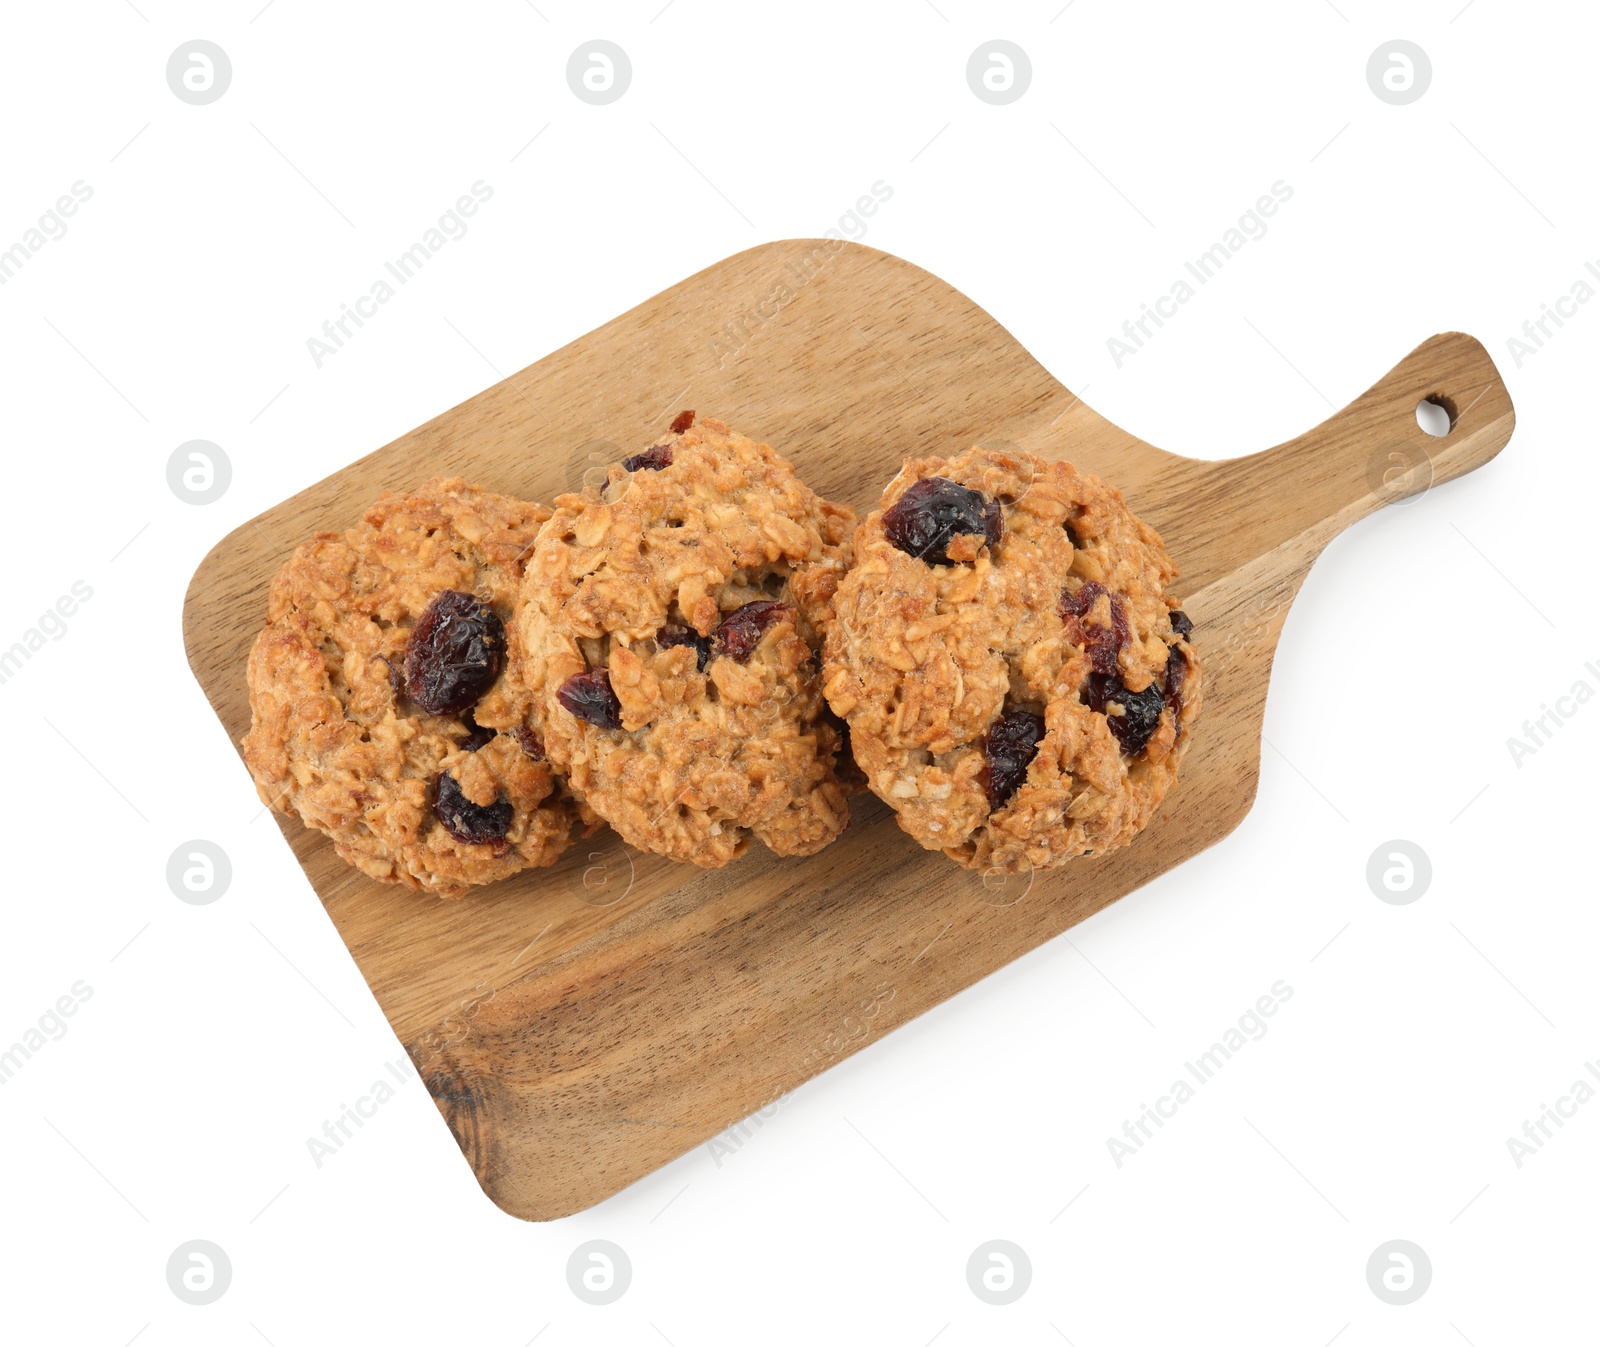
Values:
[(580, 1026)]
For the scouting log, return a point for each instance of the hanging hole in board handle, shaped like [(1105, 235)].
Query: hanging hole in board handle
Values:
[(1436, 415)]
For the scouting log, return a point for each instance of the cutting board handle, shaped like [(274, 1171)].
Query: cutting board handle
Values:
[(1373, 452)]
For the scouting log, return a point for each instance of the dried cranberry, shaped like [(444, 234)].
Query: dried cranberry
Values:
[(932, 511), (1102, 643), (675, 633), (530, 742), (1141, 711), (454, 653), (468, 822), (477, 736), (1180, 622), (1173, 678), (681, 422), (1008, 748), (653, 459), (589, 697), (741, 630)]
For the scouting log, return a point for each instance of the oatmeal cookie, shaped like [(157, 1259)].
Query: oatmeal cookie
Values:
[(1018, 686), (669, 628), (381, 712)]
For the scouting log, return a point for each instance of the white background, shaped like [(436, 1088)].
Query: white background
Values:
[(217, 240)]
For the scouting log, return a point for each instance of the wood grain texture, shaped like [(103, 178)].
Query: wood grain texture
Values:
[(582, 1025)]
